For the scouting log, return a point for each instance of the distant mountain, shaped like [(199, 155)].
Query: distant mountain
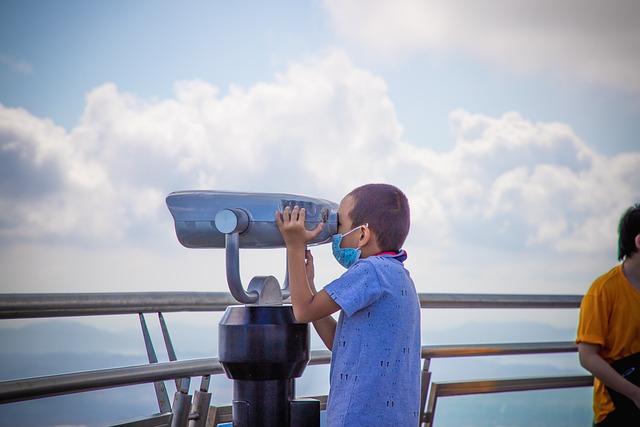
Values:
[(64, 336), (497, 332), (60, 336)]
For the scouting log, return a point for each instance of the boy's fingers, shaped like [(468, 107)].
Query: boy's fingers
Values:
[(295, 213)]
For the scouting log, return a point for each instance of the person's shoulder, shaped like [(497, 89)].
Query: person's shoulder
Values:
[(367, 261), (607, 280), (612, 275), (360, 270), (372, 264), (363, 266)]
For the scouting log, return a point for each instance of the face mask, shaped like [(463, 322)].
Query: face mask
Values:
[(345, 256)]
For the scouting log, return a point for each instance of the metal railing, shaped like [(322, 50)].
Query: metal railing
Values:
[(23, 306)]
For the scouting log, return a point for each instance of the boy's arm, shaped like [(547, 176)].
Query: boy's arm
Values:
[(307, 307), (591, 360), (325, 327)]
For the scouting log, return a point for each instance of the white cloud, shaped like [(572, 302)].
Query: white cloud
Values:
[(589, 40), (532, 184), (511, 189), (297, 134)]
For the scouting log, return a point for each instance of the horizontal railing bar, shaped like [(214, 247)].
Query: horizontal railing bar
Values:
[(55, 385), (22, 306), (498, 301), (502, 349), (461, 388), (34, 388), (320, 357)]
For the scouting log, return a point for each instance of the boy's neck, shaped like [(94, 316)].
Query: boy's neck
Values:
[(370, 249)]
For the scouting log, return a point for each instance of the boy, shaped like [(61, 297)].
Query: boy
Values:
[(375, 364), (609, 330)]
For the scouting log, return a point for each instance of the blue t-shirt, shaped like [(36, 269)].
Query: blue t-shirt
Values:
[(375, 364)]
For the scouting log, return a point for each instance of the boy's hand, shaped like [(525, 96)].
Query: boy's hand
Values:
[(291, 226)]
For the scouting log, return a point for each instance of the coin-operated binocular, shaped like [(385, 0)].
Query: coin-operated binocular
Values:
[(261, 346)]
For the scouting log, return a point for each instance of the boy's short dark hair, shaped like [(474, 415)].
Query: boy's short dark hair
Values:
[(628, 229), (386, 209)]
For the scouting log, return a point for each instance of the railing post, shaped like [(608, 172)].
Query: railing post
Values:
[(425, 379), (181, 407), (181, 383), (431, 406), (201, 402), (161, 390)]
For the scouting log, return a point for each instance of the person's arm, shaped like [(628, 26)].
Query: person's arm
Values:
[(591, 360), (307, 306), (325, 327)]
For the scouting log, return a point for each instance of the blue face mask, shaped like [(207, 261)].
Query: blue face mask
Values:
[(346, 257)]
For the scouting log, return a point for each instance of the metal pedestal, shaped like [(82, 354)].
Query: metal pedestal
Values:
[(263, 349)]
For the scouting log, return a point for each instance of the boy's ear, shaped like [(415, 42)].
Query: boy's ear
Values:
[(365, 236)]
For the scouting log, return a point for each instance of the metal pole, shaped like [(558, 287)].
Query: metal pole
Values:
[(24, 306), (55, 385)]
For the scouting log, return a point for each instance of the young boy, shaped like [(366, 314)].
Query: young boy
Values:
[(375, 364)]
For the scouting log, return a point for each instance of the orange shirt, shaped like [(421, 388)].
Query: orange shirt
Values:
[(610, 317)]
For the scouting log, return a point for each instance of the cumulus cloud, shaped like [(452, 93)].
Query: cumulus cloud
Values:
[(46, 187), (110, 174), (520, 187), (537, 183), (321, 128), (589, 40)]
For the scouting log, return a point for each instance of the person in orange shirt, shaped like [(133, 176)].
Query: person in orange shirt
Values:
[(609, 332)]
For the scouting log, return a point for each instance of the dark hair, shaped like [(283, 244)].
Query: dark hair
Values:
[(628, 229), (386, 209)]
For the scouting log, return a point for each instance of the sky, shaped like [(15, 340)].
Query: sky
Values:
[(511, 126)]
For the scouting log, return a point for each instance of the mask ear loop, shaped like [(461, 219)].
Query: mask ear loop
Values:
[(354, 229)]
